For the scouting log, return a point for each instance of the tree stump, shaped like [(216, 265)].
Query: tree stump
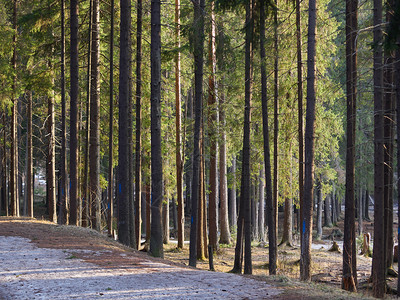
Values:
[(334, 248), (365, 248)]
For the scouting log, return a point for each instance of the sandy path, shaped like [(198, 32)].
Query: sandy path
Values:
[(29, 272)]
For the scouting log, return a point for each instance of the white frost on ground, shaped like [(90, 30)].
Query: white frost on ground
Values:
[(28, 272)]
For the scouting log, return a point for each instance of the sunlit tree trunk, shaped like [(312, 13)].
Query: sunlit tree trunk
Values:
[(94, 131), (306, 220), (51, 161), (178, 116)]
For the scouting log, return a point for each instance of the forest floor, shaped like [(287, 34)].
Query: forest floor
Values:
[(40, 260)]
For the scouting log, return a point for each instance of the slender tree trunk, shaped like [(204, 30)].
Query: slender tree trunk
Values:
[(367, 205), (270, 208), (74, 71), (138, 152), (328, 211), (276, 115), (378, 259), (123, 156), (156, 240), (202, 216), (244, 221), (29, 173), (360, 210), (148, 210), (64, 215), (14, 124), (110, 189), (225, 237), (198, 23), (306, 236), (94, 131), (51, 153), (178, 116), (4, 162), (165, 216), (300, 106), (388, 146), (261, 204), (319, 211), (212, 131), (232, 195), (397, 94), (349, 281), (85, 185)]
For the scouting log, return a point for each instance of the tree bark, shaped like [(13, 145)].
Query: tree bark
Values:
[(270, 208), (378, 259), (156, 240), (306, 234), (198, 23), (94, 131), (123, 151), (64, 214), (232, 194), (225, 237), (244, 221), (29, 173), (110, 189), (50, 170), (319, 210), (178, 116), (74, 94), (261, 204), (14, 124)]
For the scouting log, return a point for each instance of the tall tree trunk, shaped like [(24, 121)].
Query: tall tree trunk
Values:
[(4, 191), (64, 215), (397, 93), (85, 185), (94, 132), (212, 130), (110, 190), (378, 259), (306, 236), (201, 214), (14, 124), (319, 210), (349, 280), (388, 152), (244, 220), (276, 114), (225, 237), (232, 195), (198, 23), (300, 106), (74, 94), (165, 216), (138, 153), (178, 116), (29, 168), (123, 126), (360, 210), (261, 204), (270, 211), (51, 157), (156, 240), (148, 210), (367, 205)]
